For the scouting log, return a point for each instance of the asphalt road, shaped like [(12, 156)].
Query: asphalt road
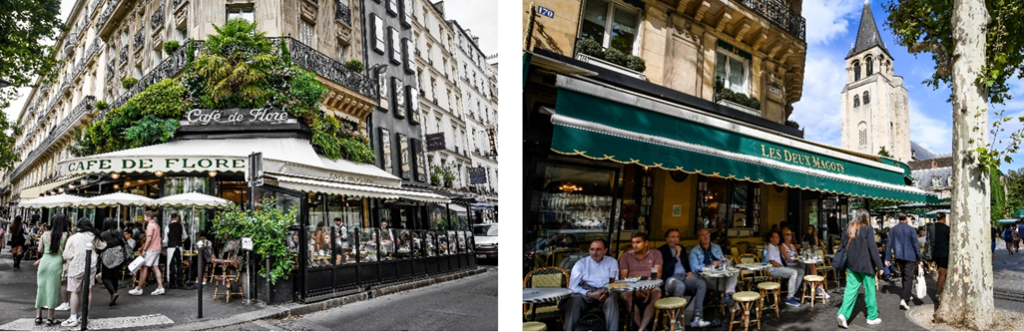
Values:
[(469, 304)]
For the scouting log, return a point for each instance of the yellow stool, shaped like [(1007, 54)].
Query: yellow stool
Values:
[(746, 300), (534, 326), (774, 289), (813, 282), (671, 306)]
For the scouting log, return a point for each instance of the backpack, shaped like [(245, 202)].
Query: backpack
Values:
[(591, 322)]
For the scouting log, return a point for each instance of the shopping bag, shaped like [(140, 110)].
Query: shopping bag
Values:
[(136, 264), (920, 289)]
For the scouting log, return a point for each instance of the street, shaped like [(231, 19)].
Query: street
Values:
[(468, 304)]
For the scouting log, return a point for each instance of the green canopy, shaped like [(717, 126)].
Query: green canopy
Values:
[(1019, 214), (636, 130)]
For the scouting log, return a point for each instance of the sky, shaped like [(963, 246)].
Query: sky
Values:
[(831, 31), (476, 15)]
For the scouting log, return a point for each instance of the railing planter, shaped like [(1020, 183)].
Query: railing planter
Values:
[(740, 107), (610, 66)]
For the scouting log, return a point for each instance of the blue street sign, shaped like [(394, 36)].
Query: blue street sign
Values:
[(546, 12), (477, 175)]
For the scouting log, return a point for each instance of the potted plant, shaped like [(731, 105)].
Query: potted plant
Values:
[(268, 226)]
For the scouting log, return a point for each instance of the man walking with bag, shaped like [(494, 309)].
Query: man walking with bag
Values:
[(903, 246), (151, 254)]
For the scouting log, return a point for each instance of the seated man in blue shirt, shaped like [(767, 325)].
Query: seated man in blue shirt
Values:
[(679, 279), (706, 255), (587, 281)]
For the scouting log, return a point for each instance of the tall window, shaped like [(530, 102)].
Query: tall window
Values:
[(307, 33), (611, 25), (867, 99), (862, 134), (856, 100), (246, 13), (870, 67), (378, 34), (856, 71), (732, 71), (396, 46), (410, 64)]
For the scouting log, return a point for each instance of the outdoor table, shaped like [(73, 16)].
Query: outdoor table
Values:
[(752, 266), (633, 287), (544, 295), (717, 274), (810, 261)]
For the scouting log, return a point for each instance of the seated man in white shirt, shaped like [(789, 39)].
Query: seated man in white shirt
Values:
[(778, 269), (588, 277)]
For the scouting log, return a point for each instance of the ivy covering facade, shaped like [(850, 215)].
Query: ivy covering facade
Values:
[(237, 67)]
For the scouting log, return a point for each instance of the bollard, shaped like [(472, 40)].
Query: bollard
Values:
[(87, 279), (200, 255)]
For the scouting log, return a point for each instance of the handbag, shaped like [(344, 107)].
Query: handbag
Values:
[(590, 322), (113, 257), (839, 261), (929, 247), (920, 289)]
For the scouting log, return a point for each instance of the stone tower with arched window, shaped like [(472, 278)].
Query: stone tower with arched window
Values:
[(874, 101)]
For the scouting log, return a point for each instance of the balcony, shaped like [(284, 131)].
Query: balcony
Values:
[(157, 20), (138, 39), (780, 15), (342, 13), (57, 134), (114, 10), (330, 69), (70, 42)]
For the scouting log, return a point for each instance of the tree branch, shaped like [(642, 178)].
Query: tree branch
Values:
[(934, 47)]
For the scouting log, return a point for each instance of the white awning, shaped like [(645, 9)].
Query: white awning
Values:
[(291, 160), (33, 192)]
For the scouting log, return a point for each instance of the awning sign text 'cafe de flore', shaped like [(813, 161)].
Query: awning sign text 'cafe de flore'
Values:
[(148, 164)]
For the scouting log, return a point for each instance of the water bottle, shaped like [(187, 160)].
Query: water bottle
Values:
[(764, 256)]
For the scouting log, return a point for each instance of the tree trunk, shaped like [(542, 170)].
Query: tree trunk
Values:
[(966, 300)]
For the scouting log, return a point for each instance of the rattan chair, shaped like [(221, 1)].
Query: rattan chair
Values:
[(827, 269), (550, 276)]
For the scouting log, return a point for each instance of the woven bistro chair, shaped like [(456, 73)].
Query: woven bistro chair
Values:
[(826, 269), (734, 251), (226, 259), (550, 276), (226, 279), (746, 276)]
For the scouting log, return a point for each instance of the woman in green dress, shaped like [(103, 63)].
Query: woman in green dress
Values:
[(51, 265)]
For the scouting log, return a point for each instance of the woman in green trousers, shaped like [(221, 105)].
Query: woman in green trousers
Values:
[(862, 264)]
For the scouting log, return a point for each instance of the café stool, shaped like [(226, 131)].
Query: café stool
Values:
[(746, 301), (813, 282), (671, 306), (772, 288), (534, 326)]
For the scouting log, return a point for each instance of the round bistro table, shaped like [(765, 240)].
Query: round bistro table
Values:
[(633, 287), (544, 295)]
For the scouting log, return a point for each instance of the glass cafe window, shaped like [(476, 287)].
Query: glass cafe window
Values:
[(368, 245), (430, 243), (574, 201), (349, 211), (731, 70), (618, 32), (442, 243), (736, 205), (245, 13)]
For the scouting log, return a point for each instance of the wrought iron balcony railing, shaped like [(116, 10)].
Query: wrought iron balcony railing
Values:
[(157, 20), (312, 60), (342, 13), (777, 12), (139, 39), (56, 134)]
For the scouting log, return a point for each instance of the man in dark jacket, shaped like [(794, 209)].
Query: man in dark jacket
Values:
[(175, 236), (903, 246), (678, 278)]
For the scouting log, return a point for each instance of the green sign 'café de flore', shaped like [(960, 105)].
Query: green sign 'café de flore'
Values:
[(602, 122)]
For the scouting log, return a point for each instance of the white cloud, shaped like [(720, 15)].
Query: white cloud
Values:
[(934, 134), (818, 109), (478, 16), (828, 19)]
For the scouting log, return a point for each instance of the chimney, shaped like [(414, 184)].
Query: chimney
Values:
[(440, 7), (476, 41)]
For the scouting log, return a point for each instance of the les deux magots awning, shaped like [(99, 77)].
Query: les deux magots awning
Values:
[(601, 122), (291, 161)]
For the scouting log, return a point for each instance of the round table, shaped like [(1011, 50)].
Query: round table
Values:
[(718, 275), (544, 295), (810, 261), (752, 266), (633, 287)]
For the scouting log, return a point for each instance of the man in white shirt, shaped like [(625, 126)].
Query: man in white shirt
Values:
[(777, 269), (588, 277)]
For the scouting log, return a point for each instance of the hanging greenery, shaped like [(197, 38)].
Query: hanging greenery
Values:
[(268, 227), (238, 67)]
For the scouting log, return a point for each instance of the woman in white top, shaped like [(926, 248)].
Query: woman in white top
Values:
[(78, 272), (788, 250)]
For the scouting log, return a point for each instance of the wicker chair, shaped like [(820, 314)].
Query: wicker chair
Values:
[(747, 275), (826, 269), (226, 259), (734, 251), (545, 277), (226, 279)]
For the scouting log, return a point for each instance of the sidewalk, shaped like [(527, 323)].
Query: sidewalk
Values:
[(175, 310), (1008, 274)]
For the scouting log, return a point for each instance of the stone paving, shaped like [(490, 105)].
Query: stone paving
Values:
[(1008, 274)]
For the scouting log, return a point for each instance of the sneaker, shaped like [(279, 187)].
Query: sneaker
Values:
[(875, 321), (903, 305), (699, 323), (793, 302), (158, 291), (135, 291), (822, 292), (64, 307), (842, 321), (70, 322)]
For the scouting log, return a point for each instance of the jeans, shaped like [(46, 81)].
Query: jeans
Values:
[(853, 282), (730, 283), (795, 276), (678, 284), (993, 247), (579, 302)]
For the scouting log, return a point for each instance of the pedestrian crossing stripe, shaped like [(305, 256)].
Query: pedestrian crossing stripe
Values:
[(118, 323)]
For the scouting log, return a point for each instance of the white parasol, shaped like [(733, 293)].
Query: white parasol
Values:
[(117, 199), (193, 200), (62, 200)]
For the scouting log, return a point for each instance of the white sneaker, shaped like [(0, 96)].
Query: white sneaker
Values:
[(135, 291), (875, 321), (699, 323), (70, 322), (64, 307), (903, 305), (158, 291), (842, 321), (822, 292)]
